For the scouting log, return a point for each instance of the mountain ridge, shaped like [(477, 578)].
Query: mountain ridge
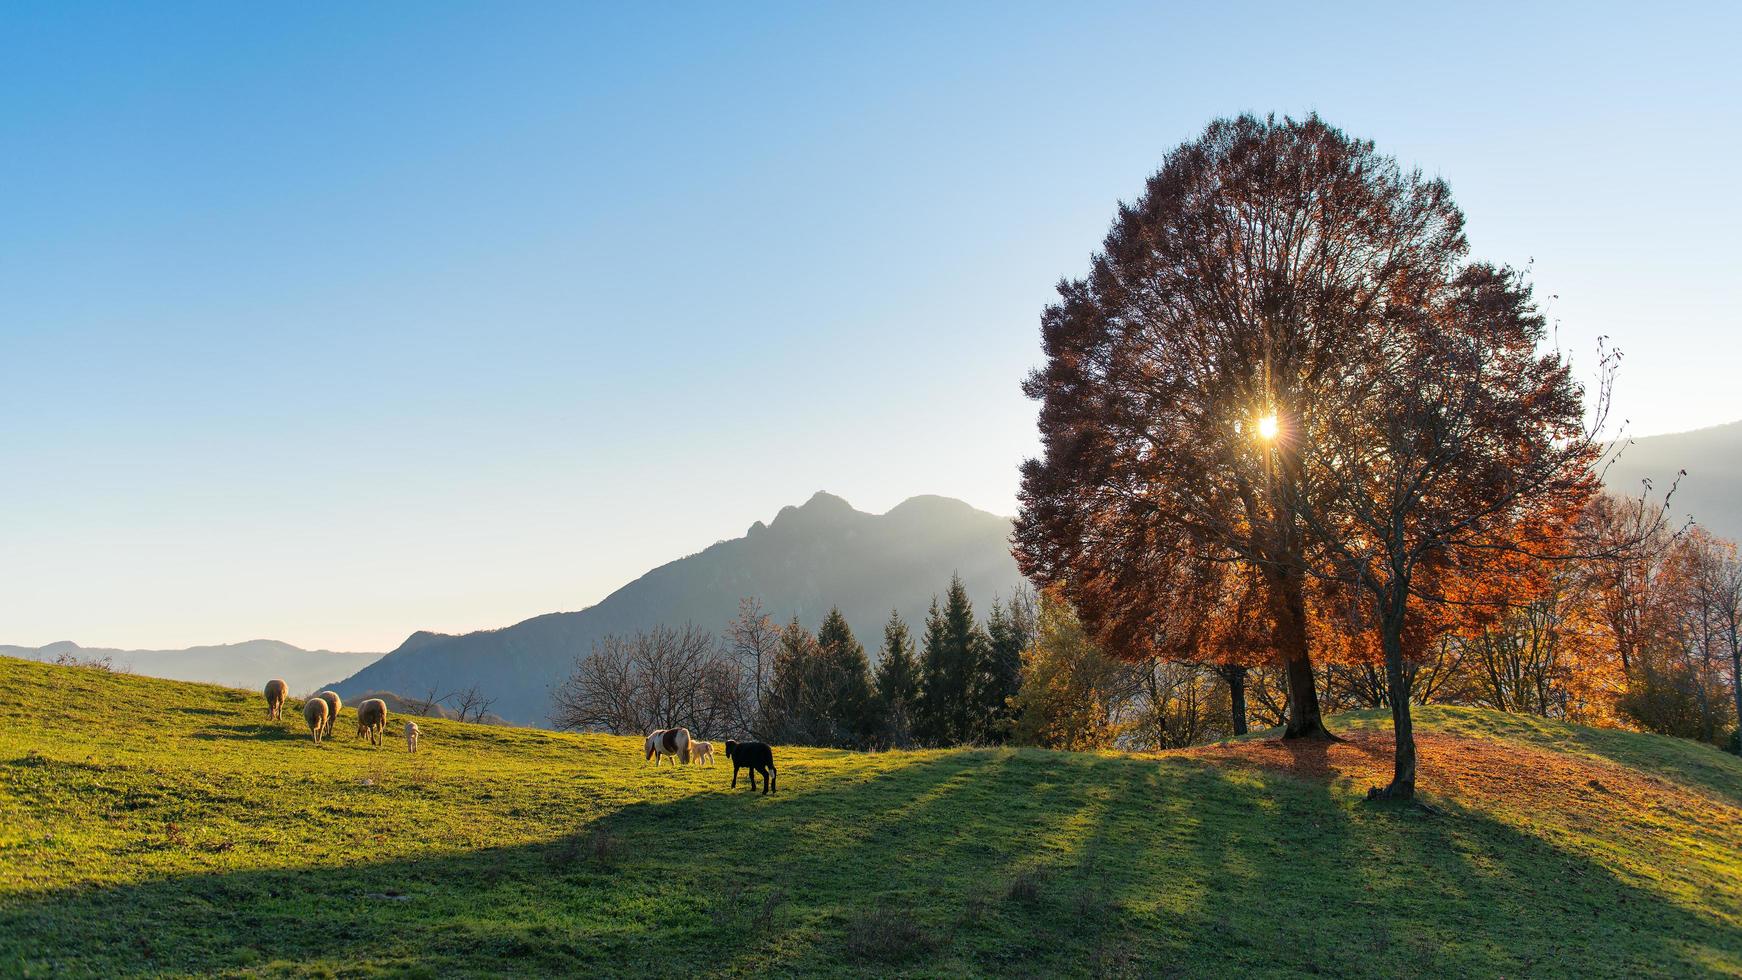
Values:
[(1711, 492), (810, 557), (246, 664)]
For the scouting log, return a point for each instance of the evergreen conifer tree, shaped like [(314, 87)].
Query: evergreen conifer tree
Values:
[(848, 709), (931, 716), (965, 645), (897, 684), (955, 647), (790, 709), (1009, 630)]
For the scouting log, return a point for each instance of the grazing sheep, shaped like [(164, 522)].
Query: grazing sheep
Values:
[(674, 742), (756, 757), (702, 752), (314, 711), (275, 691), (411, 735), (333, 706), (372, 720)]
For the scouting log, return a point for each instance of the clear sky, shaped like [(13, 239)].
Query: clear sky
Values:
[(331, 321)]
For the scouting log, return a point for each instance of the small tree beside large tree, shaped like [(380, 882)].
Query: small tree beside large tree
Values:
[(1455, 439)]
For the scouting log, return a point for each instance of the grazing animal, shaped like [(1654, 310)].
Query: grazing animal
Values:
[(411, 735), (314, 711), (756, 757), (674, 742), (372, 720), (702, 752), (275, 691), (333, 706)]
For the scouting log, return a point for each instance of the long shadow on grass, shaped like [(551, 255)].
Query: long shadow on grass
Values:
[(1687, 761), (995, 862), (263, 731)]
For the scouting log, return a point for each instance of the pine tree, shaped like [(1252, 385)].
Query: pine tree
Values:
[(931, 723), (955, 646), (790, 709), (897, 684), (966, 645), (849, 711), (1009, 630)]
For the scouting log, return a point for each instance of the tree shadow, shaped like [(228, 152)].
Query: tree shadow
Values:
[(1003, 862), (264, 731), (1691, 763)]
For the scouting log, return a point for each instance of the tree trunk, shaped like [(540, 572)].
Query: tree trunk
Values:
[(1289, 604), (1403, 760), (1736, 687), (1707, 721), (1236, 678), (1708, 725)]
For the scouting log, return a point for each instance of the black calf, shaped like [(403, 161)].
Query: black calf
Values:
[(756, 757)]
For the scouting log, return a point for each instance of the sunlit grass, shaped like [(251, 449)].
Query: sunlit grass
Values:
[(152, 825)]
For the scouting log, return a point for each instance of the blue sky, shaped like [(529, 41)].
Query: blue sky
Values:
[(329, 322)]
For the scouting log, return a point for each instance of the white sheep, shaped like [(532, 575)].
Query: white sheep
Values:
[(333, 706), (314, 711), (372, 720), (275, 691)]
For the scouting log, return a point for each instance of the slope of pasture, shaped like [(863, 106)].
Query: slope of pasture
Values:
[(151, 825)]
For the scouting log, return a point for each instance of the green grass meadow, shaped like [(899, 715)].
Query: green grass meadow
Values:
[(156, 826)]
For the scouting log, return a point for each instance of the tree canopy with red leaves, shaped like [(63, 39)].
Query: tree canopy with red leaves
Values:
[(1282, 369), (1218, 320)]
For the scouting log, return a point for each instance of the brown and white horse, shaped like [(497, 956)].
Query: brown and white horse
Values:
[(674, 742)]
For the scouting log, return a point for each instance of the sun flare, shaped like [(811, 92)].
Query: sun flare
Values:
[(1268, 427)]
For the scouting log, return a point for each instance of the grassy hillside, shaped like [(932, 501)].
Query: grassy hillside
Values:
[(156, 825)]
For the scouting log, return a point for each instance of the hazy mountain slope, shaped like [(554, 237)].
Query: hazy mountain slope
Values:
[(162, 828), (807, 559), (1711, 493), (247, 665)]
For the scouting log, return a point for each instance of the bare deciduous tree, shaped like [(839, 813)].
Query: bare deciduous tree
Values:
[(661, 678), (752, 641), (430, 705), (471, 704)]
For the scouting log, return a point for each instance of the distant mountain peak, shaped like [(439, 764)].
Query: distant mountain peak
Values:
[(822, 509), (422, 638), (931, 504)]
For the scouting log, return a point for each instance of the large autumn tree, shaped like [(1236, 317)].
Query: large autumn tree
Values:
[(1227, 304)]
